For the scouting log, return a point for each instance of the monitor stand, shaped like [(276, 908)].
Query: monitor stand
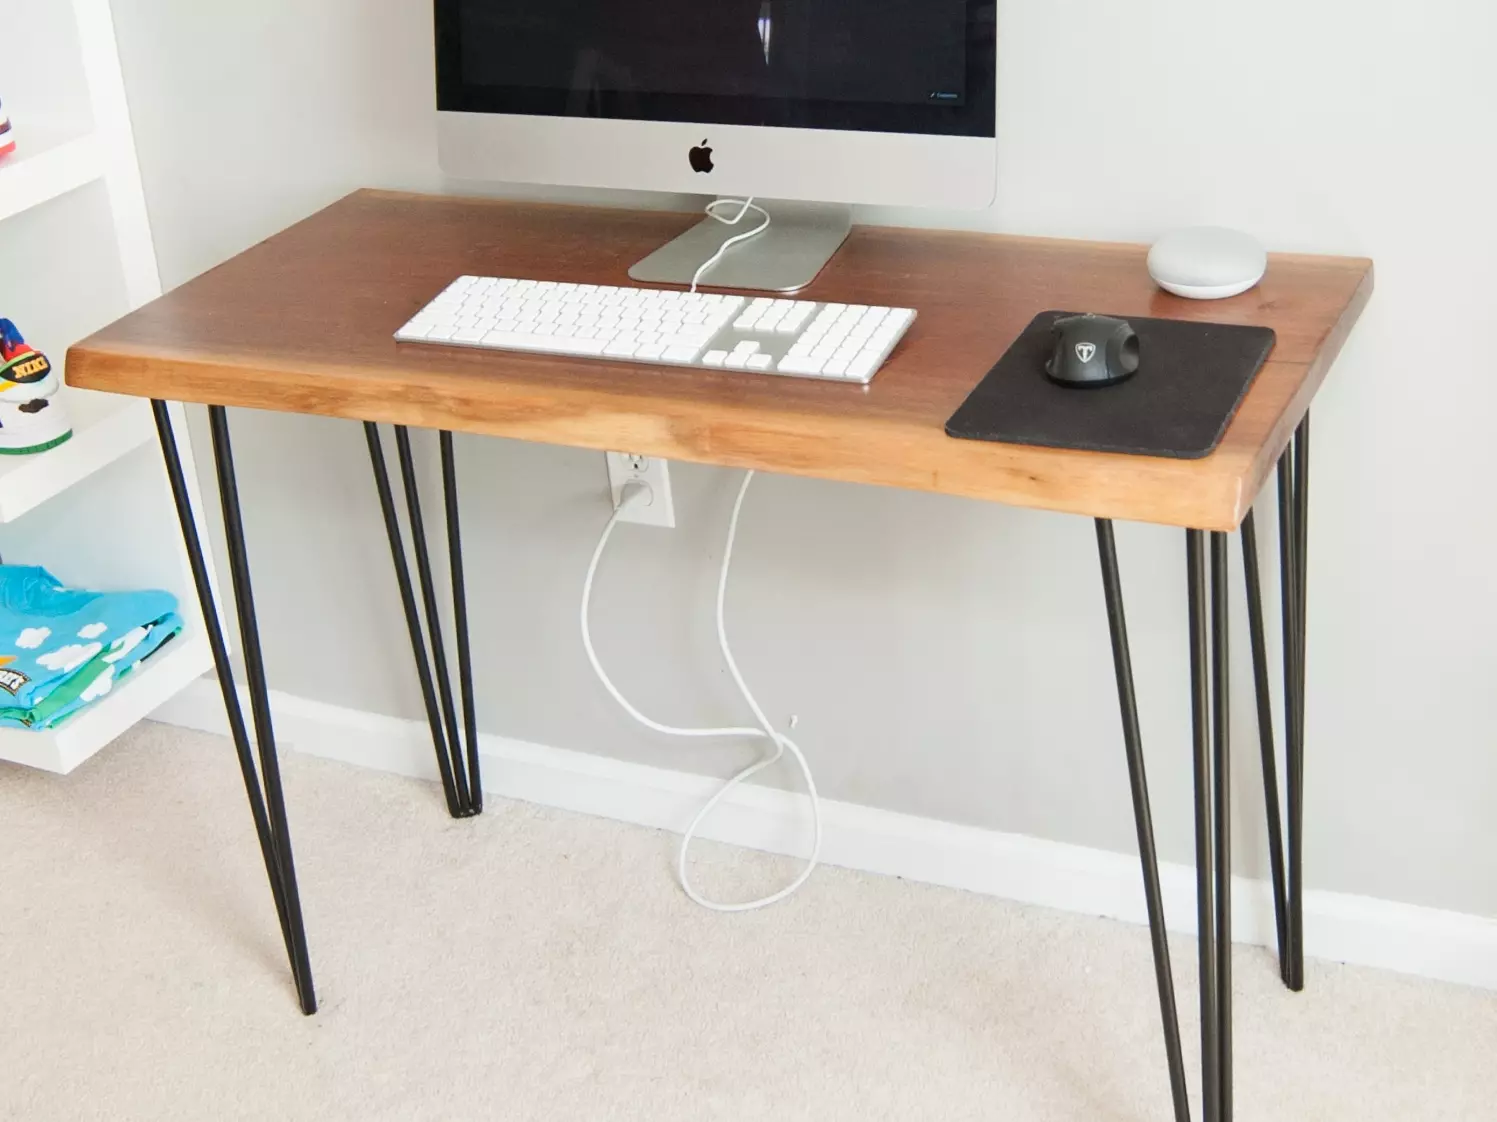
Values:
[(785, 258)]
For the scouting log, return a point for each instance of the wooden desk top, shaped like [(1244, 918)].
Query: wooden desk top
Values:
[(303, 323)]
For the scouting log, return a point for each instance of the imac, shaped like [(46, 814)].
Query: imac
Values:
[(815, 104)]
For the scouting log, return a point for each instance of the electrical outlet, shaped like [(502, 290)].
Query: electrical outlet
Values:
[(658, 509)]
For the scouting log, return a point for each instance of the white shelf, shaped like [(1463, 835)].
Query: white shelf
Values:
[(46, 165), (65, 95), (159, 678), (105, 427)]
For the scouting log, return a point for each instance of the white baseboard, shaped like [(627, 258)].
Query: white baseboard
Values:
[(1338, 927)]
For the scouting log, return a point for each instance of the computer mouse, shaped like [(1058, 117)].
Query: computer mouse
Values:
[(1092, 351)]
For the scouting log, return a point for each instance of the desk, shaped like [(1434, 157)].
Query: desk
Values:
[(303, 323)]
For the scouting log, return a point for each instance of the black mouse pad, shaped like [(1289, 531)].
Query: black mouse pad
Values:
[(1191, 378)]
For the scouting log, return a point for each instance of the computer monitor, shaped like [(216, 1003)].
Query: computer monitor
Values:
[(804, 101)]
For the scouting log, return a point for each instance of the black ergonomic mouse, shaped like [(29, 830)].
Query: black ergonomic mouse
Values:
[(1093, 351)]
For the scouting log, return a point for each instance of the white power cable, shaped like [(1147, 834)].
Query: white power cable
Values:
[(712, 207), (635, 492)]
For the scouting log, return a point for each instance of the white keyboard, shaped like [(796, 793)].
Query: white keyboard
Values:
[(842, 342)]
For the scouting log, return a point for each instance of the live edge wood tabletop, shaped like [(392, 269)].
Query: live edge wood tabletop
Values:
[(304, 322)]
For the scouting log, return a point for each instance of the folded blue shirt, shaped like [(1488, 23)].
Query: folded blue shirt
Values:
[(62, 648)]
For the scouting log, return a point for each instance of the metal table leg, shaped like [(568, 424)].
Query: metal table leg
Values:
[(1209, 678), (1294, 531), (1142, 817), (1267, 751), (1210, 712), (461, 780), (267, 804), (1288, 882)]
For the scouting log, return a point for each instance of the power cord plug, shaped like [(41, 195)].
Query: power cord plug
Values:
[(632, 494)]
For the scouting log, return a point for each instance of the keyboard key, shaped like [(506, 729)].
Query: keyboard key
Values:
[(620, 350), (650, 350), (759, 362), (811, 365), (714, 358), (681, 353)]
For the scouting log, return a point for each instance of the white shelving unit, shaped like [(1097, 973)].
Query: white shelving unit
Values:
[(52, 164), (97, 511)]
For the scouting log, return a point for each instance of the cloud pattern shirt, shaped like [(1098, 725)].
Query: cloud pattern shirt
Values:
[(63, 648)]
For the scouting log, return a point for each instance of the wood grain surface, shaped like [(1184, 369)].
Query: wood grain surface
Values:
[(303, 323)]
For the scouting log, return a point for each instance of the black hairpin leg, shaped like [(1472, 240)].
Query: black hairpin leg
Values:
[(1264, 701), (1294, 529), (461, 781), (267, 804), (1288, 884), (1209, 678), (1142, 817)]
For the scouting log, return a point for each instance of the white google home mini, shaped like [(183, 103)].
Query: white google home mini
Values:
[(1207, 262)]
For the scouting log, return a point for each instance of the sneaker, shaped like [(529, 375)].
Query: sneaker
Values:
[(7, 138), (32, 417)]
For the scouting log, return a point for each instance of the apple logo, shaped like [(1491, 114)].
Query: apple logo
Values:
[(701, 158)]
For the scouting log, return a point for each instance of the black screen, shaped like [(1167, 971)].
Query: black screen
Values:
[(922, 66)]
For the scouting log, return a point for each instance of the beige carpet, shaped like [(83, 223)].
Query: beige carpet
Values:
[(539, 965)]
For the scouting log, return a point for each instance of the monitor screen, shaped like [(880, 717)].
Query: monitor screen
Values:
[(904, 66)]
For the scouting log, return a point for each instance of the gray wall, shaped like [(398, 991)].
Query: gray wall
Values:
[(984, 695)]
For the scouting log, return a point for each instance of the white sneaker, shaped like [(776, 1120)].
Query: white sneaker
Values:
[(33, 426)]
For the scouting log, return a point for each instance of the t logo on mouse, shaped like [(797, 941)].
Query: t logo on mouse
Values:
[(1086, 351)]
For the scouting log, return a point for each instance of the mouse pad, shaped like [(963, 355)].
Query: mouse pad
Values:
[(1191, 379)]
